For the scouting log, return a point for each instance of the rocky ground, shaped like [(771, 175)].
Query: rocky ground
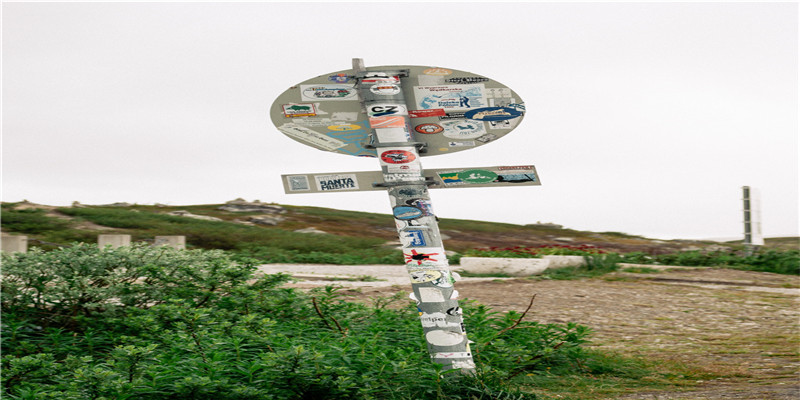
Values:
[(740, 326)]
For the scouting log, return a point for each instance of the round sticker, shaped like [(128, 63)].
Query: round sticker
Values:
[(429, 128), (464, 129), (444, 338), (405, 213), (492, 113), (397, 157)]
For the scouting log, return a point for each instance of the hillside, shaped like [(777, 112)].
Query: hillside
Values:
[(287, 230)]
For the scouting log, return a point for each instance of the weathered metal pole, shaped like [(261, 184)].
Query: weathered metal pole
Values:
[(432, 282)]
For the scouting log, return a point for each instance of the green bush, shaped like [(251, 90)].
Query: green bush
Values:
[(155, 323), (31, 221), (782, 262)]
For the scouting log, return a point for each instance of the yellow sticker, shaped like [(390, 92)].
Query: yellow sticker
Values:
[(344, 127)]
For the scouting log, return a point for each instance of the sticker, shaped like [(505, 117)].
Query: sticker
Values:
[(339, 78), (387, 122), (498, 93), (492, 114), (298, 183), (449, 116), (436, 112), (467, 80), (384, 89), (430, 295), (429, 128), (450, 178), (516, 167), (453, 311), (457, 354), (424, 205), (469, 364), (380, 110), (299, 110), (468, 176), (425, 255), (444, 338), (403, 178), (392, 135), (328, 92), (517, 106), (438, 278), (329, 183), (454, 295), (437, 71), (463, 129), (311, 137), (515, 178), (344, 127), (411, 192), (436, 320), (412, 238), (404, 168), (405, 213), (505, 124), (487, 138), (451, 97), (344, 116), (380, 77), (461, 144), (412, 296), (397, 157)]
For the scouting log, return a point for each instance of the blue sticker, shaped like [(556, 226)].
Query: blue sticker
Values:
[(340, 78), (415, 238), (405, 213), (492, 114)]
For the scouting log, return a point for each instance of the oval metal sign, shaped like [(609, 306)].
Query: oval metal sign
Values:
[(447, 109)]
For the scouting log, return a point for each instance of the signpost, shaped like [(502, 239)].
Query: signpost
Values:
[(399, 114)]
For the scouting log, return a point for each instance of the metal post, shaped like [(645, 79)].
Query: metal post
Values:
[(426, 262)]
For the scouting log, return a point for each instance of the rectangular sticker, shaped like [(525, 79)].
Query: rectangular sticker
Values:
[(451, 97), (299, 110), (336, 182), (390, 121), (328, 92), (412, 238), (436, 112), (392, 135), (311, 137), (430, 295), (457, 354), (298, 183)]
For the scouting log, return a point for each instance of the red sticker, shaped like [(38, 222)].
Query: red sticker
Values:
[(429, 128), (387, 122), (436, 112), (397, 157)]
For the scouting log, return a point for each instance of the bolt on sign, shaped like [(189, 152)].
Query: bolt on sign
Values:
[(397, 115)]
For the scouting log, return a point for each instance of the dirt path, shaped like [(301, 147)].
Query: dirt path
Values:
[(743, 326)]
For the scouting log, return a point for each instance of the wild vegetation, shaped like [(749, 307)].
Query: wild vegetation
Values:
[(155, 323)]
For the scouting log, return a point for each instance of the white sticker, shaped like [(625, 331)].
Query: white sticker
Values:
[(382, 110), (337, 182), (385, 89), (463, 129), (430, 295), (404, 168), (345, 116), (444, 338), (436, 320), (463, 364), (298, 183), (311, 137), (450, 97), (462, 144), (403, 178), (392, 135), (454, 295), (457, 354), (328, 92)]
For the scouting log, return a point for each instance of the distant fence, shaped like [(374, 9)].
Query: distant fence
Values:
[(19, 243)]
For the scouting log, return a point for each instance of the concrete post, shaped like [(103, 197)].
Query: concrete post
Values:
[(176, 242), (426, 263), (113, 240), (14, 243)]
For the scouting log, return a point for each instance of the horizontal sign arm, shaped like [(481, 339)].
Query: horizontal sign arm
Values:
[(442, 178)]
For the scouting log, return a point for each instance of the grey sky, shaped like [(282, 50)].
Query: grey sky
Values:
[(644, 118)]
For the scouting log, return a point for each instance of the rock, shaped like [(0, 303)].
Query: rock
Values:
[(184, 213), (77, 204), (311, 229), (564, 239), (119, 204), (241, 205), (266, 219)]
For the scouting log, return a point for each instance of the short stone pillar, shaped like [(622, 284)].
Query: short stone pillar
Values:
[(504, 266), (14, 243), (176, 242), (113, 240), (565, 261)]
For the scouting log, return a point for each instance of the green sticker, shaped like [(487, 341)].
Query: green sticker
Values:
[(477, 176)]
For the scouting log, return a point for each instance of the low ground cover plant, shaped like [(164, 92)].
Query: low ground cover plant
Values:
[(155, 323)]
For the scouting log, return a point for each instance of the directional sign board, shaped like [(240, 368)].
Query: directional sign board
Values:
[(445, 109), (472, 177)]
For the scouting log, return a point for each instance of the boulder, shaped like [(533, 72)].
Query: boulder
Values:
[(311, 229), (184, 213), (241, 205), (266, 219)]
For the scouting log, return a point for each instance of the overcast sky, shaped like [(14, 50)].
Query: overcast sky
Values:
[(643, 118)]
